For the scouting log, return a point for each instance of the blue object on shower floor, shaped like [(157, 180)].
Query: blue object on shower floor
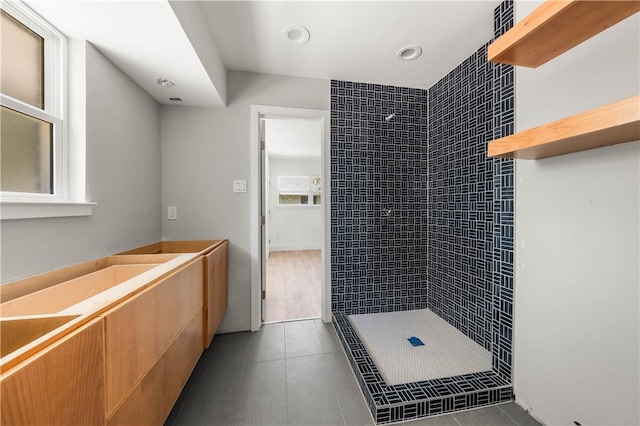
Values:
[(415, 341)]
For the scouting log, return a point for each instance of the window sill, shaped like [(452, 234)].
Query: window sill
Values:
[(43, 209)]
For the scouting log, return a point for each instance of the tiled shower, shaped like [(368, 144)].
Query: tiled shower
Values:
[(421, 218)]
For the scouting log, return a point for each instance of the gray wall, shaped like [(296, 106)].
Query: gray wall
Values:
[(203, 151), (123, 177), (577, 243)]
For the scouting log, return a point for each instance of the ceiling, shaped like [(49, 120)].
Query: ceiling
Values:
[(351, 40), (143, 38), (192, 43)]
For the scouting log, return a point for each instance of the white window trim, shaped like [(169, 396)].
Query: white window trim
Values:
[(63, 202), (36, 210), (308, 191), (303, 182)]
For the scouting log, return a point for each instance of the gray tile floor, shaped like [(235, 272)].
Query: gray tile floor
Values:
[(293, 373)]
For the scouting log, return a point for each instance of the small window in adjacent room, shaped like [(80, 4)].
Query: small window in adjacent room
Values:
[(31, 98), (293, 199), (299, 190)]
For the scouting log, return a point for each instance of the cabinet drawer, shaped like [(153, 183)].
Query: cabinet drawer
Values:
[(61, 385), (152, 399), (138, 331)]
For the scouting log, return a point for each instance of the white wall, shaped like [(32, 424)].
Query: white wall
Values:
[(193, 22), (123, 177), (203, 151), (267, 196), (293, 227), (577, 234)]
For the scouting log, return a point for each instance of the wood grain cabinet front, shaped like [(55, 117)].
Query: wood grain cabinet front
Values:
[(140, 330), (215, 275), (60, 385), (120, 354), (216, 290), (152, 399)]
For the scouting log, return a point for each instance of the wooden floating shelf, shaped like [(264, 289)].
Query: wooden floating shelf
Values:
[(611, 124), (555, 27)]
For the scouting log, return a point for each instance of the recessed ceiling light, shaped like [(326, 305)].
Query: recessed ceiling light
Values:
[(409, 53), (164, 82), (297, 34)]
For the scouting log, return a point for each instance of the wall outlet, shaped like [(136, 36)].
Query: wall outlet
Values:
[(172, 213)]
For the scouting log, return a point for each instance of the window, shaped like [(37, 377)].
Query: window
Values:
[(32, 105), (299, 190)]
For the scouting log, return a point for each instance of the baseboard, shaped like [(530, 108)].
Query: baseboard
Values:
[(295, 247)]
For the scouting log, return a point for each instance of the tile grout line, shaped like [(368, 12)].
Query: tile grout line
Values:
[(197, 370), (507, 414), (455, 419), (235, 398), (333, 383), (242, 371)]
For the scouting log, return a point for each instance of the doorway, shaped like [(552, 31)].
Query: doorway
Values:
[(290, 214), (292, 179)]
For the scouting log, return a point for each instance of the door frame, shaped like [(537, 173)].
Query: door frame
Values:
[(259, 112)]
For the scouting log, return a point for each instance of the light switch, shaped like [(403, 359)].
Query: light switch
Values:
[(172, 213), (239, 186)]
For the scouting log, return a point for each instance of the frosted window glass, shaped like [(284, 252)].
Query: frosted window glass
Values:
[(22, 58), (25, 153)]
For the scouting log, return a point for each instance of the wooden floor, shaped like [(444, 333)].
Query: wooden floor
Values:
[(293, 285)]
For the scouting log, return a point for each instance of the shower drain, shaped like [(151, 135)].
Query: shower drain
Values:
[(415, 341)]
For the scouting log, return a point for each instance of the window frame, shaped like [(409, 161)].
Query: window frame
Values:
[(54, 112), (310, 192)]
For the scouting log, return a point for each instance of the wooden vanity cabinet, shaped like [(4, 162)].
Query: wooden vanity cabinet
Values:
[(121, 354)]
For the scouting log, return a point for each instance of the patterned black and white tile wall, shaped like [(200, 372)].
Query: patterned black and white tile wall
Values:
[(503, 205), (460, 224), (448, 241), (378, 198), (470, 226)]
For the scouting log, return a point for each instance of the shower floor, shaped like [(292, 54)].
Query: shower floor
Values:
[(409, 401), (446, 352)]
